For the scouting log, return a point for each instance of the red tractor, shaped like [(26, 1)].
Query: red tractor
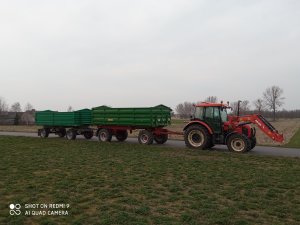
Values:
[(211, 125)]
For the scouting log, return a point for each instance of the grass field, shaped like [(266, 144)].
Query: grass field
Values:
[(121, 183), (295, 141)]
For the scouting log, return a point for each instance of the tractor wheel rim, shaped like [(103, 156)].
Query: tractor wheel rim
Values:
[(238, 145), (144, 138), (196, 138)]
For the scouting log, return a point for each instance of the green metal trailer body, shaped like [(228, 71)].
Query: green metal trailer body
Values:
[(63, 119), (158, 116)]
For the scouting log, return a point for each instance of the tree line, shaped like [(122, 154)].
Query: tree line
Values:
[(268, 105), (15, 107)]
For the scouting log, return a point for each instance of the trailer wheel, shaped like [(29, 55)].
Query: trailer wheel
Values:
[(104, 135), (121, 135), (71, 134), (197, 137), (44, 133), (145, 137), (61, 133), (161, 139), (238, 143), (88, 134)]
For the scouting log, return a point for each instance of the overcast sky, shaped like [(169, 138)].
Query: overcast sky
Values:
[(143, 53)]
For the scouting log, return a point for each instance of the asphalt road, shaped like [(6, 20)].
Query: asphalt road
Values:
[(258, 150)]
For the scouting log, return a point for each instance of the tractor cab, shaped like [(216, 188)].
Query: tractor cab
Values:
[(214, 114)]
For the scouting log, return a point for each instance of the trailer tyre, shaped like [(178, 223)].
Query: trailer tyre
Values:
[(238, 143), (44, 133), (197, 137), (145, 137), (61, 133), (71, 134), (88, 134), (104, 135), (121, 135), (161, 139)]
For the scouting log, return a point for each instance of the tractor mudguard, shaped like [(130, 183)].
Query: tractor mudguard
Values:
[(228, 135), (201, 123)]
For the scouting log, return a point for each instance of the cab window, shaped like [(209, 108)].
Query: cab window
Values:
[(209, 112), (199, 113), (212, 113)]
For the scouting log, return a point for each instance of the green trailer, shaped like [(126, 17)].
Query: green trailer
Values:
[(118, 121), (67, 124)]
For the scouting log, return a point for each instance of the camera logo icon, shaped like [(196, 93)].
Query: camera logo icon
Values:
[(15, 209)]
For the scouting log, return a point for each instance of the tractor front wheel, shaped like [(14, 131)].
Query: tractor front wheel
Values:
[(238, 143), (253, 143), (197, 137)]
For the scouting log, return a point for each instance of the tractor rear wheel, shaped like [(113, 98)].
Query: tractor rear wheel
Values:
[(121, 135), (238, 143), (104, 135), (145, 137), (197, 137), (161, 139), (71, 134)]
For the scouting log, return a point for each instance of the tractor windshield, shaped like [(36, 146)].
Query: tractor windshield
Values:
[(224, 115)]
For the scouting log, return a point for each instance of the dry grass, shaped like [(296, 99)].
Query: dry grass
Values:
[(19, 128), (287, 127)]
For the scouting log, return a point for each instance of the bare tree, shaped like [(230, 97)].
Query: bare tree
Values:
[(259, 105), (3, 105), (273, 99), (16, 107), (234, 107), (184, 110), (28, 107), (28, 115), (70, 109), (213, 99), (244, 107)]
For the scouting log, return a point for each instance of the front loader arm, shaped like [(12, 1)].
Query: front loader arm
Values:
[(264, 125)]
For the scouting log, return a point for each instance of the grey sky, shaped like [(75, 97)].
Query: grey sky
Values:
[(142, 53)]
